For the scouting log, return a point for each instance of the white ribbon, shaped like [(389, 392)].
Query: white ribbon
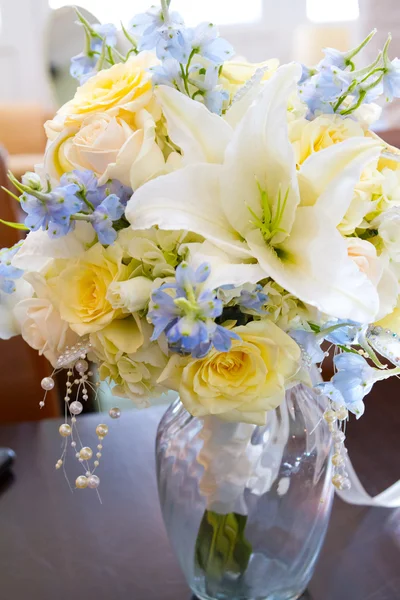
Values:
[(357, 494)]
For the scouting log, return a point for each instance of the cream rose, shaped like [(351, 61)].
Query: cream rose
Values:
[(110, 147), (242, 384), (125, 87), (364, 254), (308, 137), (79, 288), (236, 73), (43, 329), (378, 271)]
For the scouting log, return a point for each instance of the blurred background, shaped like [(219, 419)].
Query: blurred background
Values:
[(37, 40)]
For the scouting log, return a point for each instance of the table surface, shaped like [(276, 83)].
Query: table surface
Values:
[(58, 544)]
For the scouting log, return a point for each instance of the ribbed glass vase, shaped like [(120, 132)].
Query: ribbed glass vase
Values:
[(247, 508)]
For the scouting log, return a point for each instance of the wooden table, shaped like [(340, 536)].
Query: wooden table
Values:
[(55, 545)]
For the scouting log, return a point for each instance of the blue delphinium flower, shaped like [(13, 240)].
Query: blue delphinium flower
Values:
[(343, 335), (310, 343), (8, 273), (213, 96), (168, 38), (168, 73), (186, 314), (83, 66), (354, 380), (52, 211), (391, 80), (206, 42), (102, 219), (253, 300), (94, 193), (323, 89)]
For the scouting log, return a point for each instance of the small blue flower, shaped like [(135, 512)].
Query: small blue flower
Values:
[(87, 183), (334, 58), (354, 380), (391, 80), (8, 273), (168, 73), (106, 213), (169, 39), (89, 186), (83, 66), (345, 335), (187, 315), (206, 42), (323, 89), (52, 211), (253, 300), (107, 32), (214, 97), (310, 344)]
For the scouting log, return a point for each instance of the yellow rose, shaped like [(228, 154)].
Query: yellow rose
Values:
[(236, 73), (124, 87), (242, 384), (110, 147), (130, 360), (308, 137), (79, 288)]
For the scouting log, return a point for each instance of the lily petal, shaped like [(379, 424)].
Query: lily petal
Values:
[(186, 199), (201, 135), (260, 158), (329, 177), (313, 265)]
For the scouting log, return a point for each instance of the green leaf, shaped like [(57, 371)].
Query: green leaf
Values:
[(19, 226), (222, 549)]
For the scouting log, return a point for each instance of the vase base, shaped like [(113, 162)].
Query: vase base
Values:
[(273, 596)]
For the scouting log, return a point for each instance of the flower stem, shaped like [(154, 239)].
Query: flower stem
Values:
[(165, 10)]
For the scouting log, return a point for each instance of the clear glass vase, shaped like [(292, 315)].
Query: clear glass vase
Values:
[(247, 508)]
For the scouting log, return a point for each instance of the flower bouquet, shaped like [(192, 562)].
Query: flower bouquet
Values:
[(203, 225)]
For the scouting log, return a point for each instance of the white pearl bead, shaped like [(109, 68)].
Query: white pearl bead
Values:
[(342, 413), (86, 453), (65, 430), (73, 444), (82, 366), (73, 419), (47, 383), (85, 396), (337, 481), (330, 416), (93, 482), (101, 430), (100, 446), (81, 482), (41, 404), (88, 473), (98, 454), (96, 463), (76, 408), (337, 460), (338, 436), (68, 384), (115, 413), (77, 455)]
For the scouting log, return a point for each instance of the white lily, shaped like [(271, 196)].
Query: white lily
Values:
[(252, 206)]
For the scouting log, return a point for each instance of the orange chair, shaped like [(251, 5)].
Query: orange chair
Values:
[(22, 135), (21, 368)]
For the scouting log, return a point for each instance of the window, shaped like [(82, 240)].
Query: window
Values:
[(222, 12), (325, 11)]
